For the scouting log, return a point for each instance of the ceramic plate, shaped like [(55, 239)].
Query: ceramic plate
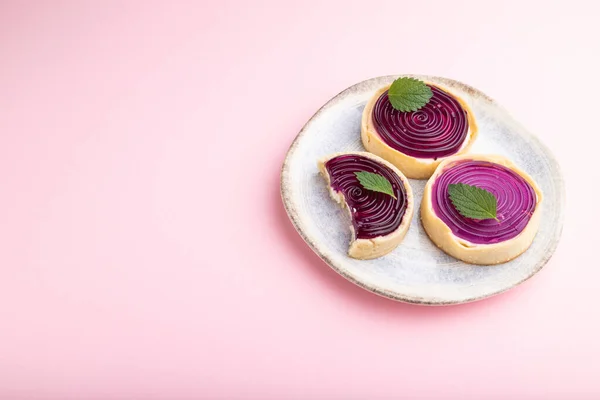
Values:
[(416, 271)]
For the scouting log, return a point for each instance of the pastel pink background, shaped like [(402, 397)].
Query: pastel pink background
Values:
[(144, 250)]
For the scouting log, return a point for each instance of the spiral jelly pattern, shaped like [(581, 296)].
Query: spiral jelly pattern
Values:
[(373, 214), (516, 201), (438, 129)]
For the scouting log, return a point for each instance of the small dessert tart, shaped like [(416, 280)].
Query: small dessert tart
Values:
[(379, 220), (482, 241), (417, 141)]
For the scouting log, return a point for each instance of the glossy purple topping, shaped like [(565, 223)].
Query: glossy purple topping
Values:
[(516, 201), (436, 130), (373, 213)]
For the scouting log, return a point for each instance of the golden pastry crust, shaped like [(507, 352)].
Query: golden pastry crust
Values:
[(412, 167), (473, 253), (364, 249)]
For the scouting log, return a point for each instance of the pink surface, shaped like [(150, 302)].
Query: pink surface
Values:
[(145, 251)]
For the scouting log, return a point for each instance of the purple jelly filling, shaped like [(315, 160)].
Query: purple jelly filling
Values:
[(436, 130), (516, 201), (373, 213)]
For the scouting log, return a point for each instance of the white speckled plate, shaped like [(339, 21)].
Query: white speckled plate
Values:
[(417, 271)]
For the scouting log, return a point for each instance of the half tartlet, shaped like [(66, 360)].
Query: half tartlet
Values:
[(379, 221), (416, 142), (486, 241)]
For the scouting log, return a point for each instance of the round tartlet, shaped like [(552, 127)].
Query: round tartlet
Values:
[(379, 222), (416, 142), (483, 242)]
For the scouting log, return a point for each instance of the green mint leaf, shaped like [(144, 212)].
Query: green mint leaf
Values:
[(473, 202), (375, 182), (409, 94)]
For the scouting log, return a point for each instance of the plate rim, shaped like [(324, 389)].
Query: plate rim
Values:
[(418, 300)]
